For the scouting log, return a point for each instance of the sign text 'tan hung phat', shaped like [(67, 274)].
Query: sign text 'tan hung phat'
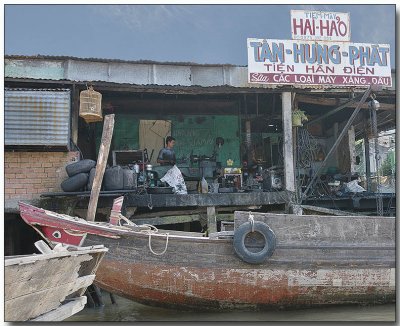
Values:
[(318, 63)]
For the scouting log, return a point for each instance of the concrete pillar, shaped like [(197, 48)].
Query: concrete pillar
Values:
[(288, 141)]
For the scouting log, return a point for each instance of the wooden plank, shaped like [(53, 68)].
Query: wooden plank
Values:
[(330, 230), (82, 283), (32, 270), (221, 234), (183, 233), (288, 141), (34, 304), (328, 211), (178, 219), (64, 311), (106, 137), (338, 102), (211, 219)]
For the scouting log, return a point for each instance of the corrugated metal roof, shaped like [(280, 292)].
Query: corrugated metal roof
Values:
[(143, 72), (63, 58), (36, 117)]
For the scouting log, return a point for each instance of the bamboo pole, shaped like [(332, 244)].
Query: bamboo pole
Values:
[(106, 137)]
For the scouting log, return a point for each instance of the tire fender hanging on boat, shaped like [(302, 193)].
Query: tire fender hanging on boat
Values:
[(269, 242)]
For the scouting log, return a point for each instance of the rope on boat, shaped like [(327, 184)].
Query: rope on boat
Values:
[(251, 220), (165, 249), (147, 229)]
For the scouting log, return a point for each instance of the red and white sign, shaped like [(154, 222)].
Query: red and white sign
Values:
[(320, 25), (318, 63)]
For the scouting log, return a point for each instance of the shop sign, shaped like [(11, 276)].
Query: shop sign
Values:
[(318, 63), (320, 25)]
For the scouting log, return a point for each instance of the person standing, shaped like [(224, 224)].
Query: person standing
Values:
[(173, 176), (166, 156)]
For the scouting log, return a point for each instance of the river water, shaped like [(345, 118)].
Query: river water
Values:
[(127, 310)]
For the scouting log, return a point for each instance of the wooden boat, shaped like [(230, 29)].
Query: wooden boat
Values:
[(298, 261), (49, 286)]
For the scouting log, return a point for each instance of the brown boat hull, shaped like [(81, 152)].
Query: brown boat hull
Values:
[(318, 260), (195, 288)]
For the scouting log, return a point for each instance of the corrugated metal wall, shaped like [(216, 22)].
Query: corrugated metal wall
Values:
[(36, 117)]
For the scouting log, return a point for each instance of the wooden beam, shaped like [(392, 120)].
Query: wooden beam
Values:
[(328, 210), (179, 219), (211, 219), (338, 102), (101, 165), (64, 311), (288, 141)]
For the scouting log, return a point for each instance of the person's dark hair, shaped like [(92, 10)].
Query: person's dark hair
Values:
[(169, 139)]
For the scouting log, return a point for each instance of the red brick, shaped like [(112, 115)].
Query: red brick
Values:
[(14, 165), (12, 170), (21, 176), (47, 164), (9, 191), (11, 159), (20, 191), (38, 170)]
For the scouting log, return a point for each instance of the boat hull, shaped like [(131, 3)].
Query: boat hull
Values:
[(318, 260), (199, 284), (47, 287)]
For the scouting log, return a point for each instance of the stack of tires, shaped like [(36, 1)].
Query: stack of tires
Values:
[(78, 175)]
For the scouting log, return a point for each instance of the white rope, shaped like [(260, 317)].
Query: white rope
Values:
[(165, 249), (251, 220), (145, 228)]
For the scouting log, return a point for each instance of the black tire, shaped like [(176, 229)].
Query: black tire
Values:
[(114, 178), (80, 167), (75, 183), (254, 257)]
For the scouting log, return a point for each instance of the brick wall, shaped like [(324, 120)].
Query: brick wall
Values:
[(28, 174)]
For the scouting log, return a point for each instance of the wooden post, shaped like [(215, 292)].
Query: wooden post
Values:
[(101, 165), (211, 219), (288, 140)]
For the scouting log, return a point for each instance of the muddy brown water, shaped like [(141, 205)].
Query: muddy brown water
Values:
[(127, 310)]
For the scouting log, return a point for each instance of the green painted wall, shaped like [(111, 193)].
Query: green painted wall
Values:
[(197, 135), (194, 135)]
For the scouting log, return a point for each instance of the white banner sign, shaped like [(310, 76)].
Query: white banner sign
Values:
[(320, 25), (318, 63)]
